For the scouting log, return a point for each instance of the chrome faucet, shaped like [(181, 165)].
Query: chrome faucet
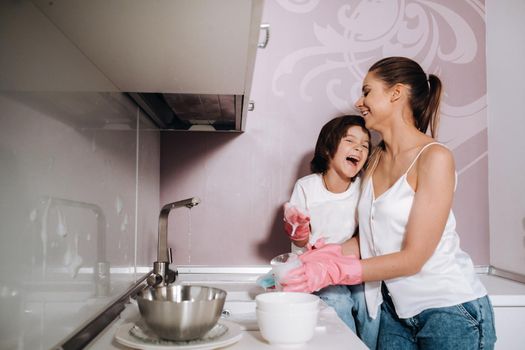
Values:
[(162, 275)]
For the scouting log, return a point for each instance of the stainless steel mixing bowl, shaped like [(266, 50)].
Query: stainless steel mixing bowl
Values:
[(179, 312)]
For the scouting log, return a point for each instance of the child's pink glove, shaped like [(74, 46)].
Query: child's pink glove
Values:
[(296, 223), (323, 267)]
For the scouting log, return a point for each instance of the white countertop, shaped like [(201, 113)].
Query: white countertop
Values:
[(504, 292), (330, 333)]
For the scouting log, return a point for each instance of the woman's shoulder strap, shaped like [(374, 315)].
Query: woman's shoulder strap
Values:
[(421, 151)]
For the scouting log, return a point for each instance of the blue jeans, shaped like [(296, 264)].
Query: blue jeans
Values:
[(349, 304), (465, 326)]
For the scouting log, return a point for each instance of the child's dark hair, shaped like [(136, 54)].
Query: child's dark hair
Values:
[(329, 139)]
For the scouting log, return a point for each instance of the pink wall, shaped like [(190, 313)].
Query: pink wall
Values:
[(310, 72)]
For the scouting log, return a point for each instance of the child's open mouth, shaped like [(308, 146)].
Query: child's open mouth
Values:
[(353, 160)]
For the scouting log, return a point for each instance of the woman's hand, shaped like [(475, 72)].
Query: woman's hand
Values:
[(323, 267)]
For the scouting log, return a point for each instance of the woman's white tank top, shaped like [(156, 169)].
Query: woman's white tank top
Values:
[(447, 278)]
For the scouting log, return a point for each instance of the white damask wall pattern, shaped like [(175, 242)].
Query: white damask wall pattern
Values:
[(311, 71)]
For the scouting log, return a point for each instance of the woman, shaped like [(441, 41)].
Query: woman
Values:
[(430, 296)]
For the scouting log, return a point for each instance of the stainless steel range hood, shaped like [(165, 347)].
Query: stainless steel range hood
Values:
[(192, 112)]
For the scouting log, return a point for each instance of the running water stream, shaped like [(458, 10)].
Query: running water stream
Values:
[(189, 236)]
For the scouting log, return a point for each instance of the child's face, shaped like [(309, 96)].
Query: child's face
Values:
[(351, 153)]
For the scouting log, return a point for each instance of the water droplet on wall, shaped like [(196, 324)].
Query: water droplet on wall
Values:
[(124, 223), (72, 260), (32, 215), (75, 266), (61, 225), (118, 205), (51, 163), (68, 257)]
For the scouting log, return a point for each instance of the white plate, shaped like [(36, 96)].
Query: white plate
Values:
[(233, 334)]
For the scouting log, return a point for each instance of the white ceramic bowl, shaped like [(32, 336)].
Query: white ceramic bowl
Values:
[(287, 329), (287, 302)]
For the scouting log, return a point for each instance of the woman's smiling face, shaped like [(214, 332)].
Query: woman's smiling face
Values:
[(351, 153), (374, 104)]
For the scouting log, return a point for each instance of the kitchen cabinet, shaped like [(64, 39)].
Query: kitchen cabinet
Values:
[(508, 300), (36, 56), (509, 327), (176, 46), (187, 63), (202, 48)]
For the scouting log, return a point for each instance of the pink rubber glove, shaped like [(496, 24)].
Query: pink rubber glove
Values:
[(296, 223), (323, 267), (318, 244)]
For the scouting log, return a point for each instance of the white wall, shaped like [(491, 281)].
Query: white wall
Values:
[(506, 127)]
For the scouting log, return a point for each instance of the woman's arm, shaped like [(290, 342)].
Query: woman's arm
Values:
[(428, 216), (351, 246)]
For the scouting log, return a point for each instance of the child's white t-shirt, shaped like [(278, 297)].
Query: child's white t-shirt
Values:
[(332, 215)]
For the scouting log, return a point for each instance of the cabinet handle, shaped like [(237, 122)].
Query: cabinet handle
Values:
[(266, 28)]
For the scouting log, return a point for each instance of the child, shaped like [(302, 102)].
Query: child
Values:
[(323, 206)]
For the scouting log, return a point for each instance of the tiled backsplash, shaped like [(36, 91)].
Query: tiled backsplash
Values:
[(79, 190)]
